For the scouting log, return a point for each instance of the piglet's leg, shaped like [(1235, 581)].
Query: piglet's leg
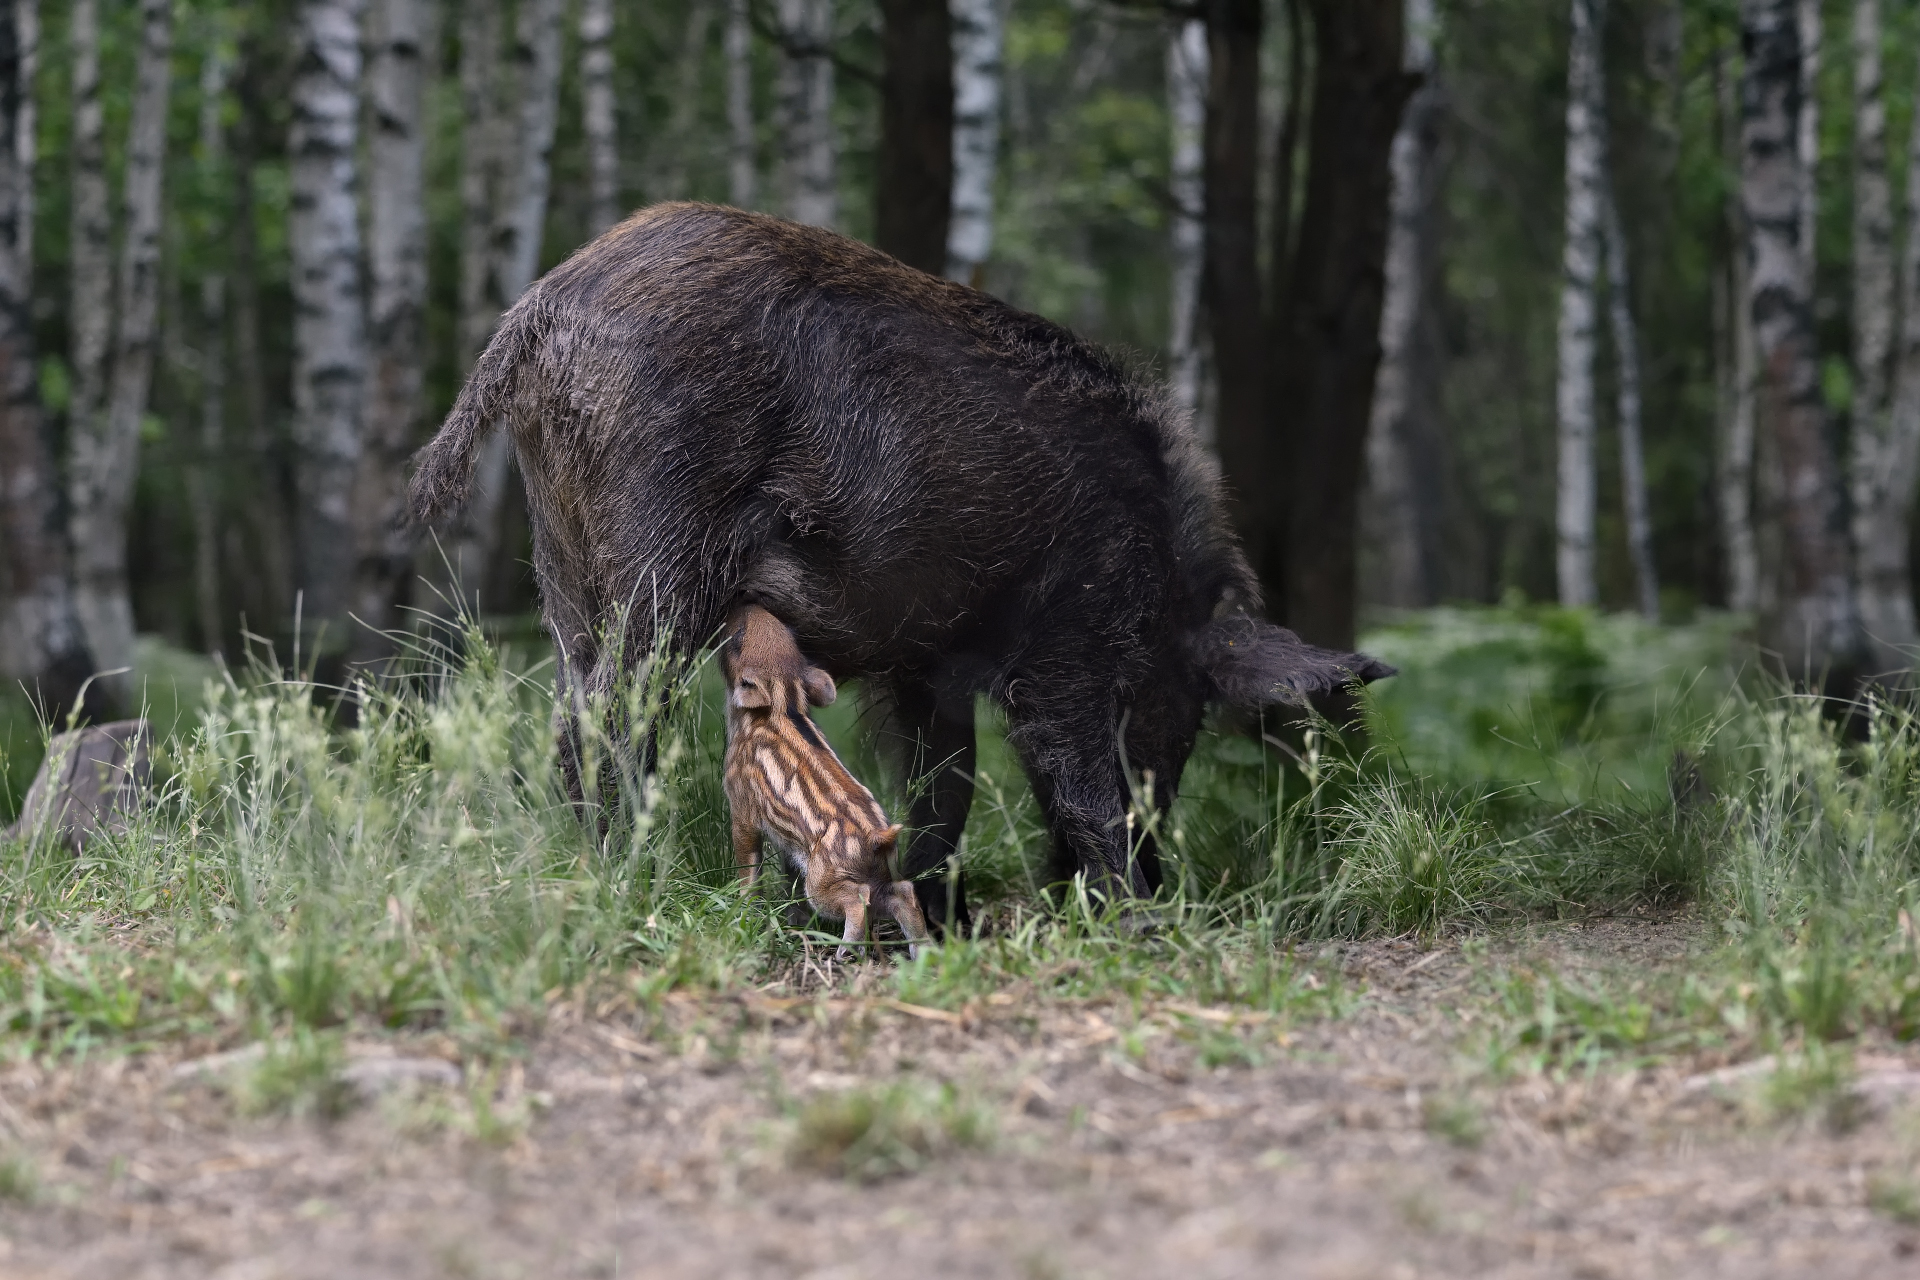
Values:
[(746, 849), (855, 934), (904, 906)]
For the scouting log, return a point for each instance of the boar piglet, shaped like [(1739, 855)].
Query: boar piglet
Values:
[(784, 782)]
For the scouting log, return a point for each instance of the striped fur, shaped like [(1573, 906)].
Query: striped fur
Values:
[(785, 784)]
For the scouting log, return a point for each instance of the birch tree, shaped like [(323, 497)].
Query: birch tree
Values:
[(1580, 269), (106, 426), (597, 115), (1807, 18), (42, 644), (330, 354), (1626, 354), (516, 154), (809, 181), (978, 39), (742, 146), (1187, 234), (91, 461), (210, 362), (1813, 626), (1400, 518), (1887, 604), (1734, 373), (397, 41)]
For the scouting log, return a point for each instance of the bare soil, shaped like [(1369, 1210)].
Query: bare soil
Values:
[(637, 1143)]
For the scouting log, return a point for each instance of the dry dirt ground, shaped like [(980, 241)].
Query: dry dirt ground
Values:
[(636, 1144)]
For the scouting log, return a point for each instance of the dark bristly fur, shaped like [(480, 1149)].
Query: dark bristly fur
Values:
[(784, 782), (942, 495)]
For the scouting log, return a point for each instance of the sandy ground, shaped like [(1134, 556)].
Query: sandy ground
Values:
[(656, 1145)]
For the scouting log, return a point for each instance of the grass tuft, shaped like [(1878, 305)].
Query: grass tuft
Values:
[(873, 1132)]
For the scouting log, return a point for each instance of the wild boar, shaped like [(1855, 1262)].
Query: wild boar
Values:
[(942, 495), (784, 783)]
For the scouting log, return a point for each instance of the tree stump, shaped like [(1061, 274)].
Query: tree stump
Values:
[(91, 780)]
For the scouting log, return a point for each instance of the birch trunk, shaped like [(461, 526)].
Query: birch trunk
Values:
[(978, 39), (26, 136), (596, 114), (210, 365), (1884, 548), (742, 175), (1813, 627), (1626, 354), (42, 644), (1807, 136), (1734, 375), (1882, 466), (677, 142), (1580, 266), (1187, 113), (329, 330), (809, 184), (1399, 519), (397, 39), (92, 461), (522, 153)]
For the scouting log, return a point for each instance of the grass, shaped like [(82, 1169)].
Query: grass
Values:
[(873, 1132), (297, 880)]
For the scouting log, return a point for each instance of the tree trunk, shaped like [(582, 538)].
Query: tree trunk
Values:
[(809, 185), (1187, 113), (742, 146), (396, 318), (1400, 520), (1884, 568), (1734, 372), (596, 114), (1807, 137), (507, 193), (42, 644), (210, 368), (676, 141), (1812, 628), (913, 185), (1626, 354), (330, 355), (978, 38), (1580, 269), (1882, 462), (1230, 287), (1329, 339)]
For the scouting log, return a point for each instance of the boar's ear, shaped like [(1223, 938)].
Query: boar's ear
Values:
[(819, 687), (1251, 662)]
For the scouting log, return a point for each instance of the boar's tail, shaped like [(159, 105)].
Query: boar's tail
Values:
[(443, 470)]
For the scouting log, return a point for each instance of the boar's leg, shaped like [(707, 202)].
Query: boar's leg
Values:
[(1073, 762), (940, 777)]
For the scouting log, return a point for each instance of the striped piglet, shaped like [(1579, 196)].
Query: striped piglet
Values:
[(784, 782)]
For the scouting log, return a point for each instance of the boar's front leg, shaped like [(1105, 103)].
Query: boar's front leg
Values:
[(1073, 761), (940, 778)]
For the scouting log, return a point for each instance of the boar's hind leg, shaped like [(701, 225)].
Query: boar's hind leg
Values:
[(940, 777)]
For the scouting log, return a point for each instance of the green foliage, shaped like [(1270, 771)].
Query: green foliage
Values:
[(874, 1132), (299, 1076)]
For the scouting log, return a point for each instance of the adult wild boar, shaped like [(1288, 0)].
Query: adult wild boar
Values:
[(942, 495)]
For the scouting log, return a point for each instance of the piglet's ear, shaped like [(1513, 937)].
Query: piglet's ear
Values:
[(1251, 663), (819, 687)]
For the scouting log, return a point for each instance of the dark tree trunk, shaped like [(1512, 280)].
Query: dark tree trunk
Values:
[(1327, 339), (40, 638), (914, 192), (1230, 286)]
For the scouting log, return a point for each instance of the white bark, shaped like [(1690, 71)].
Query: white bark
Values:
[(1883, 548), (809, 148), (93, 463), (26, 124), (1807, 138), (597, 116), (742, 148), (1734, 374), (329, 330), (978, 38), (1187, 67), (1574, 401), (397, 41), (1626, 352), (107, 457), (677, 142)]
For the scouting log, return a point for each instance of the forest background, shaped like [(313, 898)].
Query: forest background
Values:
[(261, 244)]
